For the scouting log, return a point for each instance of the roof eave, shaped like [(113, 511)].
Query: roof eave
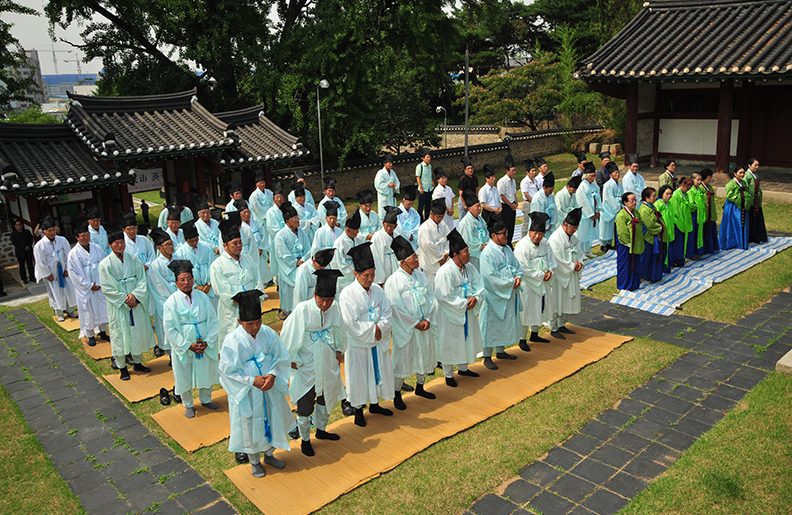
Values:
[(68, 188)]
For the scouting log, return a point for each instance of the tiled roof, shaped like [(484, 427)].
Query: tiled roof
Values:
[(148, 126), (698, 39), (45, 158), (262, 140)]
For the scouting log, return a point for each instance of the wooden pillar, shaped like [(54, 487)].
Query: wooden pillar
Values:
[(34, 211), (182, 180), (200, 177), (631, 128), (656, 127), (746, 122), (126, 197), (724, 126)]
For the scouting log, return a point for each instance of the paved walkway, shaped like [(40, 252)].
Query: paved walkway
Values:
[(107, 457), (615, 456)]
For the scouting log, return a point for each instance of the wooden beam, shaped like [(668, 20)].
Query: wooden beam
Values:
[(631, 126), (607, 88), (746, 121), (723, 141)]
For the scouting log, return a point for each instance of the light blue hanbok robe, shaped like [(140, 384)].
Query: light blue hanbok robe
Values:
[(274, 223), (455, 328), (386, 196), (634, 183), (565, 202), (304, 282), (177, 239), (289, 247), (209, 234), (259, 420), (201, 258), (261, 241), (409, 223), (309, 219), (412, 301), (369, 224), (141, 248), (342, 212), (162, 284), (99, 238), (309, 200), (325, 237), (611, 205), (474, 231), (588, 196), (229, 277), (541, 203), (260, 203), (500, 313), (342, 261), (185, 216)]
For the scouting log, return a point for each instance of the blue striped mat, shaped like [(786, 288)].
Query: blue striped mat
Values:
[(599, 269), (696, 277)]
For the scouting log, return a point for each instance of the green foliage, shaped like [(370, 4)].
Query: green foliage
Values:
[(31, 115), (12, 56)]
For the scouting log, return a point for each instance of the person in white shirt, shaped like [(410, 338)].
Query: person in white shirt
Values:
[(432, 242), (580, 155), (488, 195), (541, 171), (443, 191), (566, 199), (507, 188), (528, 188), (387, 185), (633, 182)]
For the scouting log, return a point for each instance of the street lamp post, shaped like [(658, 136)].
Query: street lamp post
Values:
[(324, 85), (445, 125)]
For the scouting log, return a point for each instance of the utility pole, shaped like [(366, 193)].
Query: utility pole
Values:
[(467, 97)]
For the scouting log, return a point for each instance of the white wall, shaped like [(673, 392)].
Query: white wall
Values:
[(693, 136)]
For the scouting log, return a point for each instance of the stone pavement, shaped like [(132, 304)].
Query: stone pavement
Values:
[(615, 456), (107, 457)]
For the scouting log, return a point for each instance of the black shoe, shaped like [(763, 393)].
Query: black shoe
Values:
[(563, 329), (129, 359), (324, 435), (294, 434), (537, 339), (468, 373), (165, 399), (398, 402), (376, 409), (347, 408), (170, 362), (360, 420), (92, 341), (450, 381), (556, 334), (140, 367), (604, 248), (113, 363), (158, 353), (3, 294), (439, 365), (307, 448), (124, 374), (407, 388), (241, 458), (524, 346), (505, 355), (420, 392), (103, 335), (177, 398), (489, 364)]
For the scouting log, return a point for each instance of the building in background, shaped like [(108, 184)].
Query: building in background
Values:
[(33, 69)]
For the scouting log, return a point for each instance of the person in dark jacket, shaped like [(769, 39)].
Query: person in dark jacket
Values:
[(22, 240)]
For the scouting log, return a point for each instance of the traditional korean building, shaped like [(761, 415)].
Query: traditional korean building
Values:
[(703, 80)]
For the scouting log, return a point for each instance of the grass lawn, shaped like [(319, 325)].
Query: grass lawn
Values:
[(28, 478), (154, 201), (741, 466)]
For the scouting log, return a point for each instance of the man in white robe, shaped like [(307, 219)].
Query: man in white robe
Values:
[(387, 184), (191, 330), (254, 371), (443, 191), (309, 218), (52, 258), (139, 246), (83, 268), (432, 242), (305, 280), (409, 219), (590, 202), (173, 230), (274, 224), (458, 292), (299, 177), (544, 202), (412, 305), (473, 228), (234, 191), (328, 233), (185, 214), (98, 233), (566, 249), (385, 262), (291, 249), (367, 319), (314, 337), (208, 227), (566, 198), (262, 199), (369, 220), (201, 256), (329, 192), (538, 266), (162, 285), (612, 192), (125, 287), (258, 242), (342, 261)]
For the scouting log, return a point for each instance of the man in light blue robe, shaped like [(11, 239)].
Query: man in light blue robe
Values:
[(342, 261), (162, 284), (330, 195), (201, 257), (255, 240), (590, 202), (385, 262), (299, 177), (254, 371), (291, 249), (633, 181), (208, 227), (369, 220), (139, 246), (185, 215), (328, 233), (305, 281), (611, 205), (274, 223), (261, 200), (566, 198), (500, 313), (98, 233), (544, 202), (473, 228), (409, 219), (309, 217), (174, 226), (387, 184), (234, 191)]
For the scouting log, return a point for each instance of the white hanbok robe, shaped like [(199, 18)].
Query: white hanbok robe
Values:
[(185, 216), (304, 282), (543, 204), (250, 248), (130, 328), (230, 207), (611, 205), (209, 234), (368, 367), (177, 239), (260, 242), (342, 261), (309, 218), (289, 247), (432, 247), (369, 224), (162, 284), (456, 329), (412, 300), (309, 200), (324, 238), (446, 194), (342, 212), (312, 338), (83, 269), (185, 323), (386, 196), (589, 199), (385, 262), (99, 238), (201, 258), (566, 250), (474, 231), (409, 223), (536, 293), (273, 224), (634, 183), (259, 419), (50, 255), (565, 202), (229, 277), (260, 203), (142, 248), (500, 313)]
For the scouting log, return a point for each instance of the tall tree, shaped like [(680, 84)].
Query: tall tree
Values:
[(13, 86)]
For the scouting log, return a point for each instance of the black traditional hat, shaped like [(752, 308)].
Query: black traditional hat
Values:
[(200, 203), (495, 224), (46, 221), (604, 155), (387, 159), (391, 215), (189, 230), (530, 164), (143, 229), (574, 216), (324, 257), (549, 180), (466, 161), (114, 232), (277, 188), (91, 212), (538, 221), (174, 212), (469, 198), (539, 161), (509, 161), (80, 225), (632, 158), (580, 155), (574, 182), (326, 282), (329, 183), (182, 199), (179, 266), (402, 248), (362, 257), (438, 173), (232, 187), (365, 197), (259, 176), (353, 222), (299, 190), (249, 305), (438, 206), (217, 214), (410, 192), (298, 174), (288, 211), (159, 236), (229, 230), (127, 218), (331, 208), (611, 167), (488, 171), (589, 168), (456, 243), (241, 205), (425, 152)]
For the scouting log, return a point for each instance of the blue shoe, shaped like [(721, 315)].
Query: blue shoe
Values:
[(92, 341)]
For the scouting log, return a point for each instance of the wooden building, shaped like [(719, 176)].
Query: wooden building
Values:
[(703, 80)]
